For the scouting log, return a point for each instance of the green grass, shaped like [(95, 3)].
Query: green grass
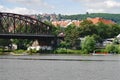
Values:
[(19, 51), (67, 51)]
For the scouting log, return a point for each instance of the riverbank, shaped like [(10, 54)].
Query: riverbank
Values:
[(41, 54), (64, 53), (62, 57), (59, 51), (52, 54)]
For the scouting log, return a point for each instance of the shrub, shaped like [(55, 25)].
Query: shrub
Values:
[(118, 49), (61, 50), (100, 50), (85, 51), (88, 45), (32, 51), (68, 51), (19, 51), (111, 48)]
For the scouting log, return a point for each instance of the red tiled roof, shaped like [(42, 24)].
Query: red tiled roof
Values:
[(77, 23), (60, 23), (98, 19), (65, 23)]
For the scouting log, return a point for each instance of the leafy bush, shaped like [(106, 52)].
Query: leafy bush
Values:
[(68, 51), (32, 51), (111, 48), (88, 45), (118, 49), (100, 50), (19, 51), (61, 50), (85, 51)]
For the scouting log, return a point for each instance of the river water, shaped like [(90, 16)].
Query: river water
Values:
[(60, 67)]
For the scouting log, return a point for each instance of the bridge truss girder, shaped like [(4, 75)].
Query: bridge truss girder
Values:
[(11, 23)]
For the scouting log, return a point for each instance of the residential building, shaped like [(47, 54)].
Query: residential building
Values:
[(96, 20)]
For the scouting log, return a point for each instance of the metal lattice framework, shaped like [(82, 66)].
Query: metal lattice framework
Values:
[(11, 23)]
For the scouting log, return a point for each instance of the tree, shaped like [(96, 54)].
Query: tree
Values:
[(59, 17), (113, 17), (71, 35), (59, 30), (87, 28), (63, 44), (22, 43), (4, 43), (53, 28), (97, 38), (102, 30), (88, 44), (113, 30)]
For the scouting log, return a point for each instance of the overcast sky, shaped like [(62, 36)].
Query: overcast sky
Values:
[(60, 6)]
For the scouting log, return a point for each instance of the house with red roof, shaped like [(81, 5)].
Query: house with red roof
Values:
[(77, 22)]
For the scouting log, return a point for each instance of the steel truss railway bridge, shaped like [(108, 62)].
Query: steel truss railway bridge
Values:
[(17, 26)]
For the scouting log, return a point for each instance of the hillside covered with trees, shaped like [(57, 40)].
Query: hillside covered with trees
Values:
[(108, 16)]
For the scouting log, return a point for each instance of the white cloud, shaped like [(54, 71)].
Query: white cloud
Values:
[(33, 3), (88, 1), (96, 10), (18, 10), (112, 4), (3, 9), (95, 6), (23, 11)]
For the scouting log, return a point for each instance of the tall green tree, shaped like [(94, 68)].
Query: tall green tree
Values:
[(113, 30), (71, 35), (102, 30), (87, 28), (88, 44)]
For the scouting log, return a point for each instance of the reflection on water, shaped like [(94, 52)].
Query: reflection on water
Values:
[(59, 67)]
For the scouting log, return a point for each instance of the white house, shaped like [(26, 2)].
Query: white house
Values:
[(38, 47)]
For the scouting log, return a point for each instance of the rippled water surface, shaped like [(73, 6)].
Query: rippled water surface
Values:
[(60, 67)]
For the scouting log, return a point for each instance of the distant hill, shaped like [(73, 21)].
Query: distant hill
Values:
[(113, 17)]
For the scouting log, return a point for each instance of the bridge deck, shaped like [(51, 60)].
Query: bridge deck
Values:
[(26, 36)]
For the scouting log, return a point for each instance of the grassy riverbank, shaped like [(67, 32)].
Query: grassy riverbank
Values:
[(59, 51)]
